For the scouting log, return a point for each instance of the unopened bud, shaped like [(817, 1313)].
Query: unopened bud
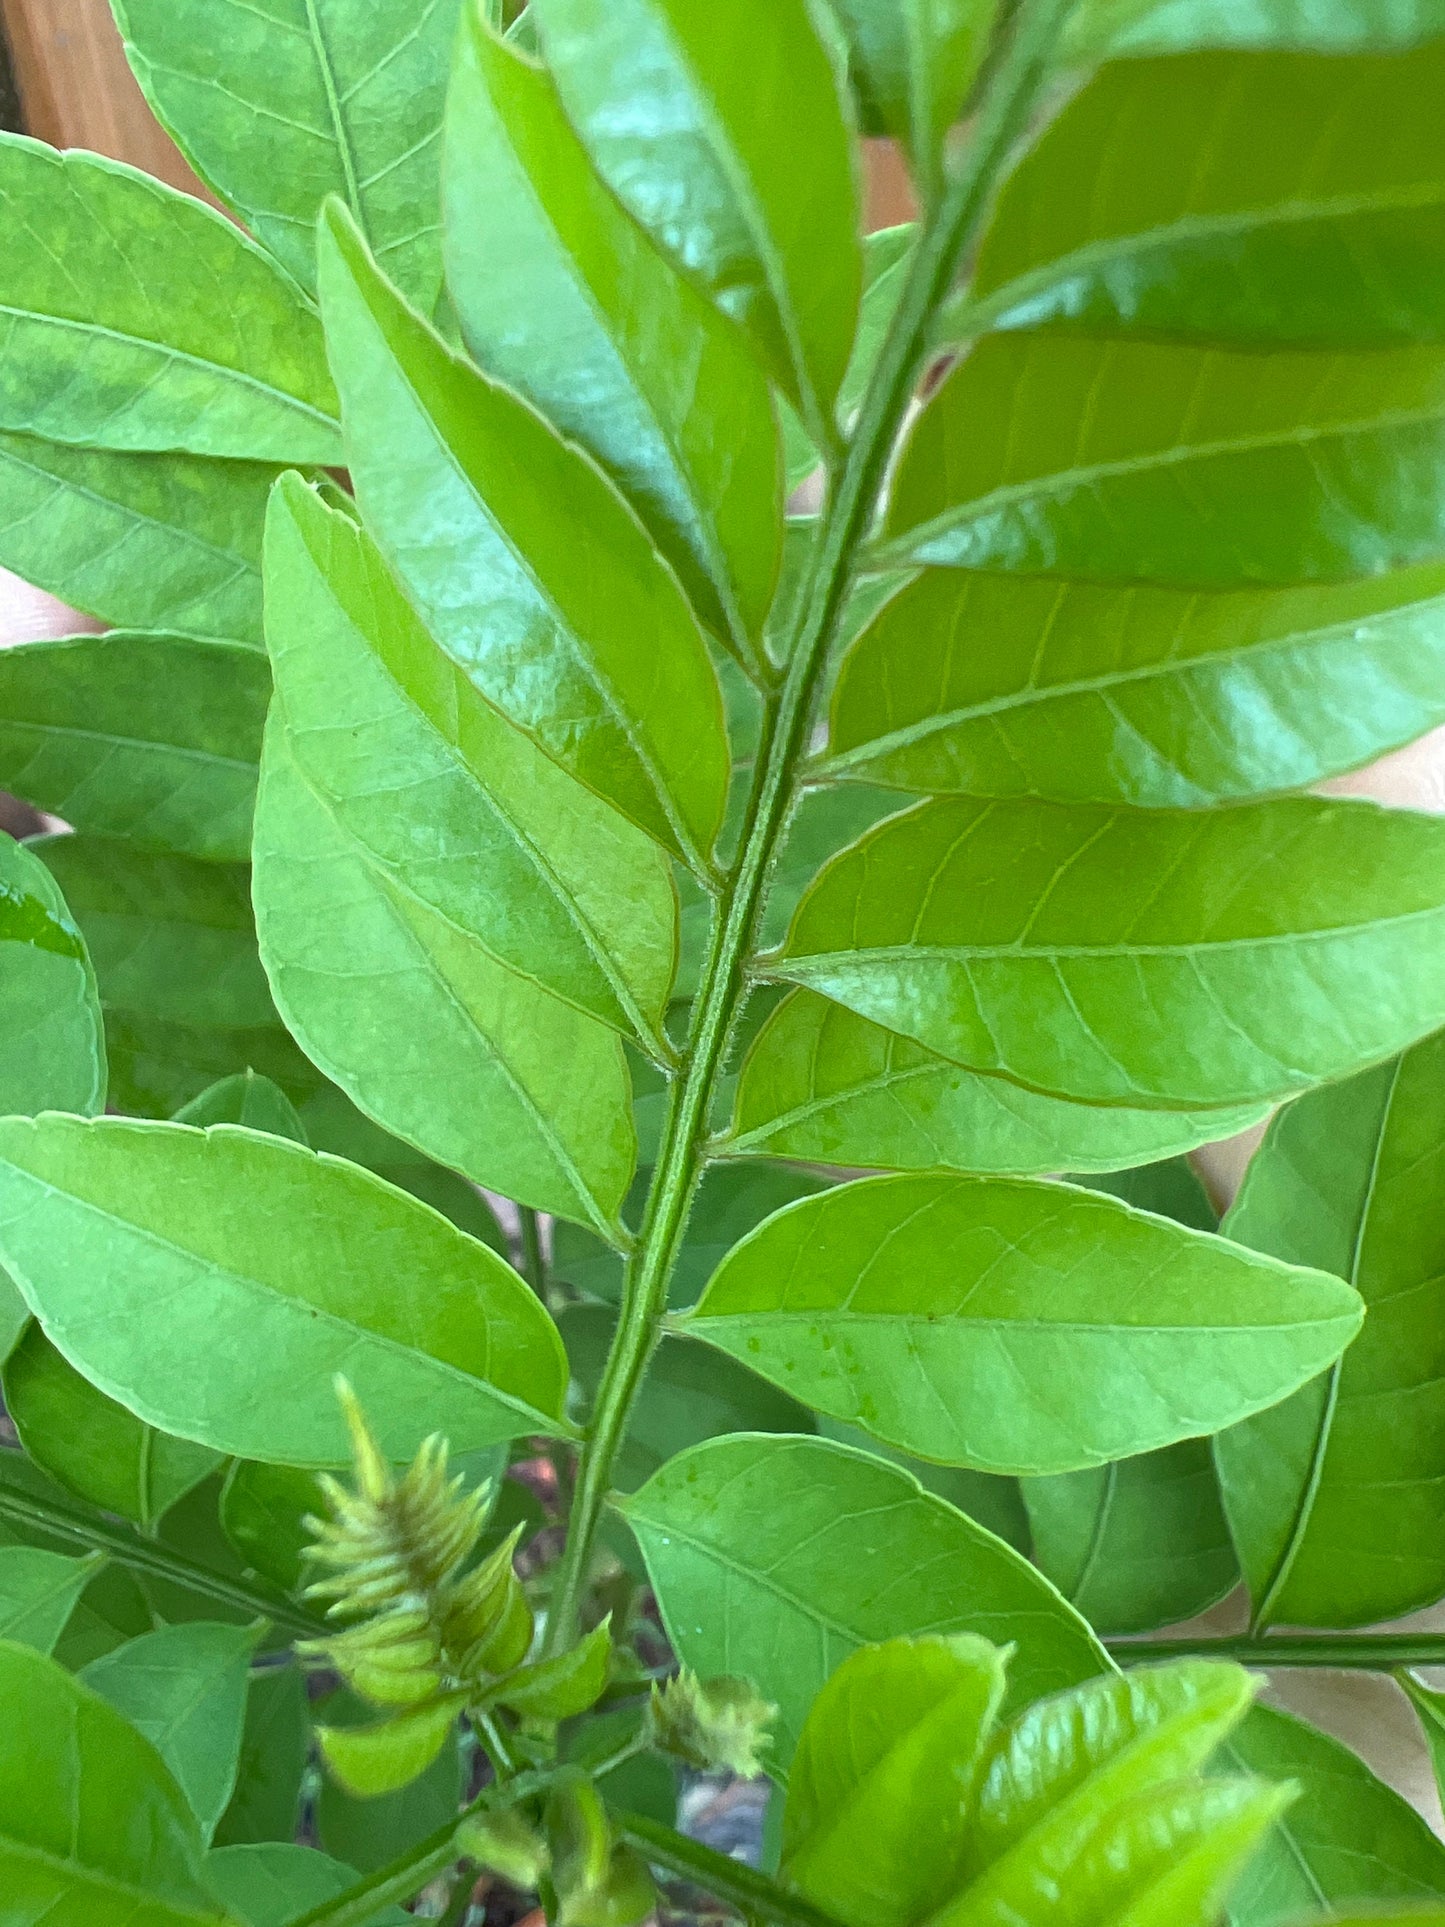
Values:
[(719, 1725)]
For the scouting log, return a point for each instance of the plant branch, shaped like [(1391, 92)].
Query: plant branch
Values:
[(753, 1894), (1008, 106), (534, 1264), (1341, 1652)]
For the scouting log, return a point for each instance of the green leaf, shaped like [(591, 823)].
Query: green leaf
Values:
[(450, 803), (116, 337), (731, 147), (1347, 1838), (524, 563), (822, 1084), (993, 1502), (152, 738), (279, 104), (69, 1770), (52, 1050), (1169, 1188), (369, 1833), (1429, 1706), (92, 1445), (184, 1688), (371, 1760), (101, 1221), (275, 1742), (561, 1687), (1135, 1545), (774, 1558), (886, 1762), (14, 1316), (468, 1061), (906, 1304), (1245, 226), (38, 1592), (1147, 695), (1145, 461), (271, 1883), (561, 295), (263, 1514), (142, 541), (1337, 1497), (1137, 957), (246, 1099), (1117, 27)]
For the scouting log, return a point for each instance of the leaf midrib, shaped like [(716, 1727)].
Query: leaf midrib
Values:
[(774, 1315), (105, 1883)]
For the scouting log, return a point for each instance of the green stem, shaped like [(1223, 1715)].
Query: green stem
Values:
[(534, 1264), (1341, 1652), (787, 718), (460, 1903), (753, 1894)]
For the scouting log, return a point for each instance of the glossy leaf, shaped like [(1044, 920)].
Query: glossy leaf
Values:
[(1143, 461), (468, 1061), (524, 563), (152, 738), (731, 147), (281, 104), (67, 1770), (371, 1760), (275, 1742), (450, 802), (1335, 1497), (1109, 955), (824, 1085), (52, 1049), (246, 1099), (112, 344), (1147, 695), (1167, 26), (341, 1273), (562, 295), (92, 1445), (270, 1883), (774, 1558), (38, 1592), (1016, 1327)]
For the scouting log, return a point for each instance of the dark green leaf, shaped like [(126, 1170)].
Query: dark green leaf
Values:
[(38, 1592), (274, 1743), (1169, 1188), (263, 1513), (52, 1051), (271, 1883), (914, 64), (112, 1609), (246, 1099)]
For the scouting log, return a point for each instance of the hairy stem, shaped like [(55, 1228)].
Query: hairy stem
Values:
[(753, 1894), (1007, 108), (1341, 1652)]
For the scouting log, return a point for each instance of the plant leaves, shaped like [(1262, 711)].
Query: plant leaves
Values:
[(1169, 1188), (907, 1305), (1137, 957), (246, 1099), (1335, 1497), (774, 1558), (271, 1883), (449, 802), (561, 1687), (561, 295), (372, 1760), (1147, 695), (278, 105), (111, 343), (52, 1050), (152, 738), (731, 147), (1120, 27), (369, 1833), (524, 564), (1143, 461), (993, 1502), (100, 1221), (275, 1743), (38, 1592), (263, 1514), (1429, 1707)]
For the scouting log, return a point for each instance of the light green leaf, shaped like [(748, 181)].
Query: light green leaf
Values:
[(38, 1592), (561, 1687), (1147, 695), (270, 1883), (1138, 957), (369, 1833), (450, 803), (560, 294), (775, 1557), (1429, 1705), (993, 1502), (117, 335), (1249, 223), (1135, 1545), (184, 1688), (1146, 461), (246, 1099), (14, 1316), (275, 1744), (371, 1760), (1015, 1326), (263, 1513), (821, 1084), (92, 1445), (152, 738), (1337, 1497), (68, 1769), (52, 1050), (279, 104), (1115, 27), (142, 541), (731, 147), (101, 1221), (524, 563), (444, 1047)]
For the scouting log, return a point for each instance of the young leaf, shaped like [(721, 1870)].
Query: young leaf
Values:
[(184, 1688), (450, 802), (731, 147), (152, 738), (52, 1050), (1137, 957), (1145, 695), (371, 1760), (1015, 1326), (369, 1833), (271, 1883), (275, 1743), (559, 293), (774, 1558), (561, 1687), (1335, 1497), (100, 1221), (246, 1099), (38, 1592), (278, 106), (524, 563)]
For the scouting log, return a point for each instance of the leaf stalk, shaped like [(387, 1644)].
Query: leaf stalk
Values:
[(1341, 1652)]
